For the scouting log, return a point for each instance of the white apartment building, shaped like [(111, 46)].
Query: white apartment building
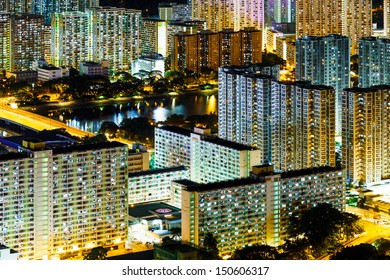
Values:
[(55, 203), (244, 105), (47, 73), (208, 157), (154, 185), (255, 210)]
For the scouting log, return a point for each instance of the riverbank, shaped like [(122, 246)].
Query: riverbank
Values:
[(119, 100)]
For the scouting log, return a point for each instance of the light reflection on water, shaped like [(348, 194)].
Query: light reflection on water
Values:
[(90, 118)]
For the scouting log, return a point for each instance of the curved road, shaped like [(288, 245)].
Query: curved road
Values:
[(38, 122)]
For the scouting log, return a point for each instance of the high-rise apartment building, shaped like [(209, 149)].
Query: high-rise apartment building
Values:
[(153, 36), (21, 41), (325, 60), (57, 202), (222, 14), (70, 38), (351, 18), (358, 22), (386, 17), (244, 99), (280, 11), (103, 33), (5, 41), (302, 125), (319, 18), (207, 49), (174, 11), (174, 27), (255, 210), (27, 37), (365, 134), (47, 7), (374, 62), (209, 158), (17, 6), (116, 36)]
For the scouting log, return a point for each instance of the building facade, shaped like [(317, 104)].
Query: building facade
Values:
[(21, 41), (56, 203), (244, 99), (154, 185), (154, 36), (255, 210), (103, 33), (70, 38), (211, 50), (221, 14), (209, 158), (365, 152), (351, 18), (303, 126), (374, 62), (47, 7), (325, 60)]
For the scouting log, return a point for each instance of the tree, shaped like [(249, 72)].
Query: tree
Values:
[(324, 228), (167, 241), (362, 251), (98, 253), (99, 138), (294, 250), (256, 252), (108, 127), (383, 246), (210, 244)]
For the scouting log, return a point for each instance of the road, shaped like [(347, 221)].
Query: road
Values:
[(373, 228), (38, 122)]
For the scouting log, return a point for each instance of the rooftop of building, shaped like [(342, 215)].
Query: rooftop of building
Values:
[(186, 22), (154, 210), (368, 89), (90, 63), (52, 139), (12, 156), (178, 247), (198, 187), (208, 138), (94, 146), (192, 186), (153, 19), (309, 171), (156, 171), (176, 129), (319, 38), (229, 144), (305, 84), (49, 68)]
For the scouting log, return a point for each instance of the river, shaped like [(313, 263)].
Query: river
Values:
[(88, 116)]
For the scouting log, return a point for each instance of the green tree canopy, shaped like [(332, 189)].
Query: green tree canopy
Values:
[(324, 228), (98, 253), (256, 252), (362, 251), (108, 127), (210, 244), (383, 246)]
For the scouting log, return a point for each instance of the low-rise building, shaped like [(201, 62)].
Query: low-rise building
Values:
[(8, 254), (255, 210), (154, 185)]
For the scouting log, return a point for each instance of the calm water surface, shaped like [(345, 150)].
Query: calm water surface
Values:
[(89, 116)]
